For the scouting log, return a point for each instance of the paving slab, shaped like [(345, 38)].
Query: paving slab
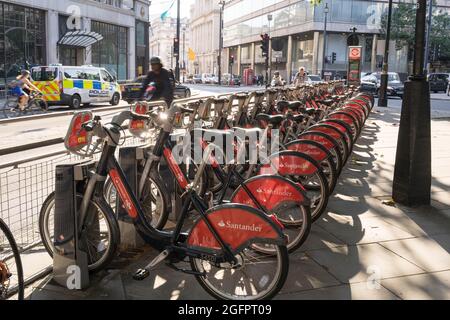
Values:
[(319, 238), (305, 274), (431, 286), (423, 252), (354, 291), (362, 263), (359, 230)]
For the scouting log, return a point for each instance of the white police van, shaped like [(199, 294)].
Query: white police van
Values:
[(76, 86)]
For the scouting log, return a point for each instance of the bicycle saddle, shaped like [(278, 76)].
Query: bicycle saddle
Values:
[(275, 120)]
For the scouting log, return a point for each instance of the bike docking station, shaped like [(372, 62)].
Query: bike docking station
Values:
[(129, 159), (70, 261), (70, 257)]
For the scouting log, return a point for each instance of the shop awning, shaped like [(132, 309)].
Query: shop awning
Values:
[(79, 38)]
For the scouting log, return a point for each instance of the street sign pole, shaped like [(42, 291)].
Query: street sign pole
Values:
[(354, 65), (177, 67), (382, 96), (412, 175)]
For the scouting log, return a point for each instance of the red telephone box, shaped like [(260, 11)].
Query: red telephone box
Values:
[(248, 77)]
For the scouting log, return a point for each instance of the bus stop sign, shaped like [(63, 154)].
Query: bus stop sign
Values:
[(354, 65)]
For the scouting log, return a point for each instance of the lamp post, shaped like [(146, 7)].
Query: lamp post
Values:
[(269, 56), (427, 45), (177, 50), (412, 175), (222, 6), (184, 54), (382, 98), (326, 10)]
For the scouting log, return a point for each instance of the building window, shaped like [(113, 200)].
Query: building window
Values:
[(22, 40), (111, 52)]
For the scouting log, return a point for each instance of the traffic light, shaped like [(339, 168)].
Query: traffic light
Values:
[(333, 57), (265, 42), (232, 60), (176, 47)]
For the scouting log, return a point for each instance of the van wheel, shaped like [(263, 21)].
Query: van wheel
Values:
[(75, 102), (115, 99)]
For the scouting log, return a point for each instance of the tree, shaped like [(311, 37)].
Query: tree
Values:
[(403, 29)]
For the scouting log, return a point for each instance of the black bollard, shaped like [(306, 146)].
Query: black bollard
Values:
[(412, 176)]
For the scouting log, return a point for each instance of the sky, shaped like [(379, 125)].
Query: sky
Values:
[(159, 6)]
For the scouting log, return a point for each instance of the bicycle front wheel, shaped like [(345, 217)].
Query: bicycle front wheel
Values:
[(11, 271), (258, 276), (99, 237)]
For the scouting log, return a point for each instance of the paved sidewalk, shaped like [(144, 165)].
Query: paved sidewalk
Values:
[(364, 248)]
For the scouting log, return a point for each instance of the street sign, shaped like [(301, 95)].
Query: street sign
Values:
[(355, 52), (354, 65), (278, 54), (191, 55)]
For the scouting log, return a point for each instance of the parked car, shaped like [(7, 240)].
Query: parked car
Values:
[(197, 78), (313, 79), (231, 79), (132, 88), (438, 81), (395, 87), (206, 78)]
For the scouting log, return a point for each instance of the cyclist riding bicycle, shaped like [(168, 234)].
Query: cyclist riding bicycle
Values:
[(23, 82), (163, 79)]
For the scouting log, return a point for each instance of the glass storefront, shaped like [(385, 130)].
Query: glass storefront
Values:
[(142, 49), (22, 40), (111, 52)]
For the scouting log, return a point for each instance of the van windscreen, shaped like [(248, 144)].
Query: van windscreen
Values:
[(44, 74)]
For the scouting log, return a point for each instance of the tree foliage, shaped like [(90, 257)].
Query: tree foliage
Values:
[(403, 29)]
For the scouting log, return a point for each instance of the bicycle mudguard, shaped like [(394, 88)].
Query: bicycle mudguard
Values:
[(324, 139), (327, 129), (342, 127), (290, 163), (358, 112), (269, 191), (358, 104), (347, 117), (238, 226), (312, 148)]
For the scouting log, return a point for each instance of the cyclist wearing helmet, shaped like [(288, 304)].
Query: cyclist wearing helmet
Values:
[(23, 82), (163, 79)]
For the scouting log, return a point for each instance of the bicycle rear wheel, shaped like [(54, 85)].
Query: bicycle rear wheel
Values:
[(258, 276), (11, 271)]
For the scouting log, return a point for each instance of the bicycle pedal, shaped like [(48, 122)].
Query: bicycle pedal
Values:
[(141, 274), (159, 259)]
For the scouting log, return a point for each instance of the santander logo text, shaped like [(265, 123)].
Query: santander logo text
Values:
[(238, 226)]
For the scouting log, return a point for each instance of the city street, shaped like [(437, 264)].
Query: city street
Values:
[(336, 180)]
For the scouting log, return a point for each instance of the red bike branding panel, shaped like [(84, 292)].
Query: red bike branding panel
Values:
[(322, 140), (175, 168), (124, 196), (138, 126), (235, 226), (289, 165), (332, 133), (77, 136), (311, 150), (269, 192)]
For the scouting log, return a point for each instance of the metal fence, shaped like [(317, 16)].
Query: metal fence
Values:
[(25, 185)]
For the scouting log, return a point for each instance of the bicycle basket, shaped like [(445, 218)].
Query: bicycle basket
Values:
[(139, 128), (78, 140)]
